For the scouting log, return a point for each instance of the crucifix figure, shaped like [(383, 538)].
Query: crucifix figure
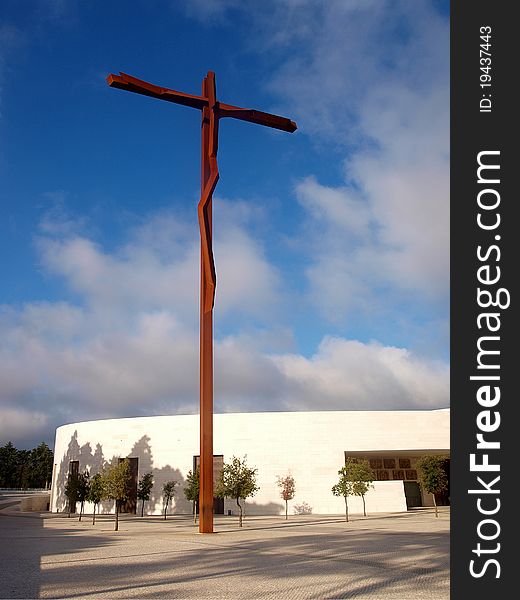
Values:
[(212, 112)]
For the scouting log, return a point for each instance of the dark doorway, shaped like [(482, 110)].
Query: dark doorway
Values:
[(218, 463), (130, 505), (412, 492), (73, 472)]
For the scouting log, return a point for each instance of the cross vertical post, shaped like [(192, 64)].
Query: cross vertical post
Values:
[(206, 340), (212, 111)]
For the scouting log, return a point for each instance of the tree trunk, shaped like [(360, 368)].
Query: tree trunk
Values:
[(142, 508), (165, 509), (94, 515), (364, 508), (117, 516), (80, 510), (435, 504), (239, 514), (346, 509), (194, 513), (286, 510)]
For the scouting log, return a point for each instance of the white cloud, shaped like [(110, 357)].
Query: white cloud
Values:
[(387, 227), (340, 207), (112, 354), (347, 374), (153, 369), (159, 267)]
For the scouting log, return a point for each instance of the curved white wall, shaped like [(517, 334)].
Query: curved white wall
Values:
[(309, 445)]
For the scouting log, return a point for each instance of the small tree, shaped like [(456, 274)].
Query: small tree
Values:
[(237, 481), (71, 490), (192, 490), (96, 492), (117, 479), (168, 492), (302, 509), (432, 476), (287, 489), (362, 477), (83, 490), (344, 487), (144, 489)]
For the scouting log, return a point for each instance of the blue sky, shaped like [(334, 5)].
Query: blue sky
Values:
[(331, 244)]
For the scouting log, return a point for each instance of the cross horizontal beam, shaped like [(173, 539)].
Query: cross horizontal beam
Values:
[(123, 81)]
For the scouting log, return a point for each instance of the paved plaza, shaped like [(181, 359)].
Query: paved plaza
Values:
[(386, 556)]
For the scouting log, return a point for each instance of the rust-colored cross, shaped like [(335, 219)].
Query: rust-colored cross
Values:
[(212, 112)]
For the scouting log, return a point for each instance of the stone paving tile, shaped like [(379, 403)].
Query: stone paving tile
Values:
[(390, 557)]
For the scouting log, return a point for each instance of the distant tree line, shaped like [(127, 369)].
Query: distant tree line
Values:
[(26, 468)]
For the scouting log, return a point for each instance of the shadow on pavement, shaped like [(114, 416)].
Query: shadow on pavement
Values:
[(314, 559), (25, 540)]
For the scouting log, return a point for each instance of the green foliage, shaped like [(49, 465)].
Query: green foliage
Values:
[(25, 468), (237, 480), (168, 493), (117, 479), (83, 488), (192, 490), (8, 466), (192, 487), (71, 490), (40, 464), (432, 476), (344, 487), (356, 477), (362, 476), (144, 489), (287, 489), (96, 492)]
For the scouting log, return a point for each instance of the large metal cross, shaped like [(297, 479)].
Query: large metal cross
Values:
[(212, 112)]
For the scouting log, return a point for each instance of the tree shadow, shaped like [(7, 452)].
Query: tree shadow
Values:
[(255, 508), (344, 564), (95, 462), (21, 574)]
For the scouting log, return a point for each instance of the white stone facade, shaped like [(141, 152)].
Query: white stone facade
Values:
[(311, 446)]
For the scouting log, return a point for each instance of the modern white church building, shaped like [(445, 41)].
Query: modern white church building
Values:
[(311, 446)]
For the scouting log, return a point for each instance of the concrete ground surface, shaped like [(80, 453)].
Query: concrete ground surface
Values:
[(401, 556)]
